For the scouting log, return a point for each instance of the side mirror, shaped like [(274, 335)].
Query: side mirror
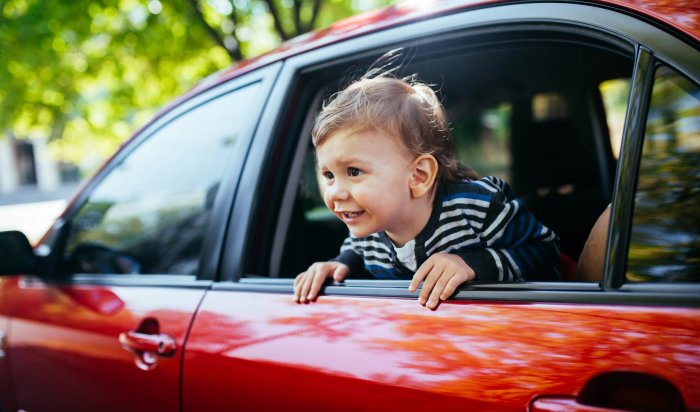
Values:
[(16, 254)]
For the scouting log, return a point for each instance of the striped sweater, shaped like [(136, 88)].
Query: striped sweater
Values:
[(479, 220)]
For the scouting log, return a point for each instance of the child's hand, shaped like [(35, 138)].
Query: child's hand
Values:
[(443, 273), (308, 284)]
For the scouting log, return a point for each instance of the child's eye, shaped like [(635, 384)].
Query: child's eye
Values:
[(327, 175), (354, 172)]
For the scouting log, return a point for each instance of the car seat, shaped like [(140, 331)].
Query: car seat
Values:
[(555, 173)]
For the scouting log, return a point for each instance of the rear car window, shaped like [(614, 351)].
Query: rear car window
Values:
[(665, 238)]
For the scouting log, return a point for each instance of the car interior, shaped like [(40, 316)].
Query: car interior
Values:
[(541, 109)]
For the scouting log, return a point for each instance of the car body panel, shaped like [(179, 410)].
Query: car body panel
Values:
[(7, 301), (395, 354), (65, 348)]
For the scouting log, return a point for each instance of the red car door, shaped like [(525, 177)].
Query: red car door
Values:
[(91, 347), (261, 351)]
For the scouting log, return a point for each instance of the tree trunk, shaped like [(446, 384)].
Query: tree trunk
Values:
[(234, 54), (277, 19)]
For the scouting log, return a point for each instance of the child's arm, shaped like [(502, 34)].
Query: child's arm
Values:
[(532, 260), (518, 248), (443, 273)]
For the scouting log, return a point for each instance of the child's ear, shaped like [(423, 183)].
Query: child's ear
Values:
[(424, 172)]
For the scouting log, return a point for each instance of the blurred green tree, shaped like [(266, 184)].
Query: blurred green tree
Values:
[(86, 73)]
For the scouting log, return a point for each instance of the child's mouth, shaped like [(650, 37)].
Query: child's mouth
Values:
[(351, 215)]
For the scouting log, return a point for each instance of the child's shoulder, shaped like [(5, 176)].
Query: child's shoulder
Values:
[(485, 193), (485, 186)]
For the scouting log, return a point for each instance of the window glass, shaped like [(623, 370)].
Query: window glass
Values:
[(665, 241), (150, 213), (549, 106), (482, 140), (614, 93)]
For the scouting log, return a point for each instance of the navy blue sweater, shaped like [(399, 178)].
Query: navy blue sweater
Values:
[(479, 220)]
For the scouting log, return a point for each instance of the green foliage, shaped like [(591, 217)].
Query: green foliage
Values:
[(87, 73)]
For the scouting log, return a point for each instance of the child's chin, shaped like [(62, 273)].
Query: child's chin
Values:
[(359, 233)]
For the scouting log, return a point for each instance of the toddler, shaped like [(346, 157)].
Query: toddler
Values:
[(389, 171)]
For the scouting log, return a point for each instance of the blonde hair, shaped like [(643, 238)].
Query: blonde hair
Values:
[(404, 109)]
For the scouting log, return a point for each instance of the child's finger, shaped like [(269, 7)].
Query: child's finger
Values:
[(420, 274), (438, 289), (298, 279), (452, 285), (429, 284), (297, 288), (306, 286), (317, 283), (340, 272), (298, 284)]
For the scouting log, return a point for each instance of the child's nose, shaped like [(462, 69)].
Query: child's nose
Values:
[(338, 192)]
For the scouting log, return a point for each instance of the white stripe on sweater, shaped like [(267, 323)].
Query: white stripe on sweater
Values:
[(497, 260), (499, 219), (515, 266), (465, 201), (454, 236), (487, 184)]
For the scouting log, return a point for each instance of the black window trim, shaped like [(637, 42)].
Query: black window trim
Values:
[(615, 265), (159, 281), (622, 209), (526, 292)]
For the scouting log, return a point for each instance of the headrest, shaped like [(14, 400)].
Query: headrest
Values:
[(552, 154)]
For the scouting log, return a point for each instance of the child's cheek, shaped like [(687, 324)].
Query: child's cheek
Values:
[(327, 201)]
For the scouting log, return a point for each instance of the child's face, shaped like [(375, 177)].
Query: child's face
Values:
[(366, 182)]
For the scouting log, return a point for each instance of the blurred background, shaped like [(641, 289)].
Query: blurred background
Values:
[(78, 77)]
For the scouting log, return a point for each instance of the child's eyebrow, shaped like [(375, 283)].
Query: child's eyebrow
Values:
[(343, 161), (349, 159)]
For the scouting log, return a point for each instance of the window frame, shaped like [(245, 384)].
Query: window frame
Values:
[(621, 219), (54, 245), (636, 33), (615, 261)]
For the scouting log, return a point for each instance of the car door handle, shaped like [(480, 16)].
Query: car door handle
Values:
[(162, 344), (616, 391), (562, 404)]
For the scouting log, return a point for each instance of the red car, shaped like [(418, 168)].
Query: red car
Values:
[(167, 283)]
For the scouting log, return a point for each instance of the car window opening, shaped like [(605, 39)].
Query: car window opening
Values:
[(531, 121)]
